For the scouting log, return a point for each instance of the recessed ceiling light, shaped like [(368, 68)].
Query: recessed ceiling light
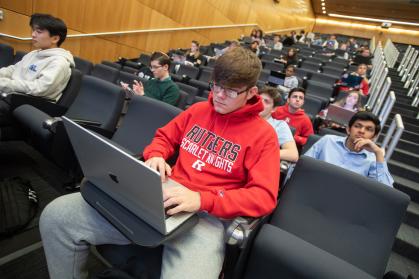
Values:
[(324, 12), (375, 19), (323, 4), (323, 8)]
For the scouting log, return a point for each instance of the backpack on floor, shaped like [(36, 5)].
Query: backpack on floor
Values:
[(18, 205)]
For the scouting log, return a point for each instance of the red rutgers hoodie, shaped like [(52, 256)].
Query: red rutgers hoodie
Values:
[(299, 120), (231, 159)]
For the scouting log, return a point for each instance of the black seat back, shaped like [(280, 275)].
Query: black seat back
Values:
[(104, 72), (18, 56), (98, 101), (72, 89), (342, 213), (84, 66), (6, 55), (144, 116)]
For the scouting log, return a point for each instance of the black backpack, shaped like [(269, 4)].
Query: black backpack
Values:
[(18, 205)]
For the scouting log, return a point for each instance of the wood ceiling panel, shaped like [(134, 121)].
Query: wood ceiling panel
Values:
[(403, 10)]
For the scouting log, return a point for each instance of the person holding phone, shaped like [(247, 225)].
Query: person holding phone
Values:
[(161, 87)]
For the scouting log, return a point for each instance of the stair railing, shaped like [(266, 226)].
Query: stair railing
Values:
[(393, 135)]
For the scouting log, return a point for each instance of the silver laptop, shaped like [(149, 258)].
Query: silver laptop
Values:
[(339, 114), (124, 178)]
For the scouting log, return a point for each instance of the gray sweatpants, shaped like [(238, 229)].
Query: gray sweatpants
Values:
[(69, 225)]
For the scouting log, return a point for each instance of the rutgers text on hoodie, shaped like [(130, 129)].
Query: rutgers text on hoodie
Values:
[(43, 73), (231, 159), (299, 120)]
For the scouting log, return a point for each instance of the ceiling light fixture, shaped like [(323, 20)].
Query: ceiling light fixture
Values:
[(323, 4), (375, 19), (323, 8), (324, 12)]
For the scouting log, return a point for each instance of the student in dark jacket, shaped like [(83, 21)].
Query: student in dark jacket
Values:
[(194, 56)]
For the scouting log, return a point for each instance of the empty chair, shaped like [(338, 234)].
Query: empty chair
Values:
[(185, 71), (324, 78), (104, 72), (303, 73), (310, 66), (6, 55), (335, 65), (84, 66), (97, 106), (183, 100), (272, 66), (322, 58), (131, 64), (138, 127), (312, 105), (128, 78), (314, 60), (317, 235), (264, 75), (203, 81), (112, 64), (144, 59), (190, 90), (319, 89), (331, 71), (340, 61), (268, 57), (130, 70)]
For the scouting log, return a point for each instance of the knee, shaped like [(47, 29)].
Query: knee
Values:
[(56, 214)]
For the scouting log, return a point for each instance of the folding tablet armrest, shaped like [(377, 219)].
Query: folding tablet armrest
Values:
[(16, 99), (278, 253), (94, 126)]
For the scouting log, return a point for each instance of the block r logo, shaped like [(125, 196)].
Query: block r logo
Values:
[(198, 164)]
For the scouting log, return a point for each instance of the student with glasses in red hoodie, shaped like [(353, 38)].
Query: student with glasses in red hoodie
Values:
[(226, 172), (294, 115)]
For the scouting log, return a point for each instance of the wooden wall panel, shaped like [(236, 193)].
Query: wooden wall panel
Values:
[(407, 35), (19, 6), (91, 16)]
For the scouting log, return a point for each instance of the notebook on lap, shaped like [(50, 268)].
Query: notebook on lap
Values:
[(124, 178)]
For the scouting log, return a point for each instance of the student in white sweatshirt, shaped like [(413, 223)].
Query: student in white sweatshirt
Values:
[(43, 72)]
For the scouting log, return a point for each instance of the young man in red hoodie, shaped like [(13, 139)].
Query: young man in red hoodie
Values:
[(294, 115), (227, 173)]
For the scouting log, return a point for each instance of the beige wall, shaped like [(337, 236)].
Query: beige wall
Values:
[(87, 16), (399, 34)]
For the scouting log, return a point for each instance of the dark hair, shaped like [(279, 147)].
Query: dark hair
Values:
[(296, 89), (366, 116), (161, 58), (54, 25), (290, 67), (237, 67), (273, 93)]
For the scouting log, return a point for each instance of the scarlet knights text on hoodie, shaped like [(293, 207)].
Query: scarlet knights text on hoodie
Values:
[(231, 159), (299, 120), (43, 73)]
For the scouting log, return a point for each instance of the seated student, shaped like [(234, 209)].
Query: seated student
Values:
[(254, 47), (363, 58), (290, 81), (352, 102), (258, 36), (352, 45), (161, 87), (229, 175), (194, 56), (277, 44), (331, 43), (317, 41), (294, 115), (43, 72), (232, 45), (291, 58), (288, 40), (271, 99), (300, 38), (356, 152), (348, 83)]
